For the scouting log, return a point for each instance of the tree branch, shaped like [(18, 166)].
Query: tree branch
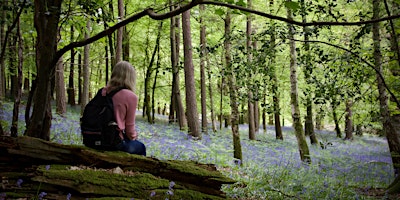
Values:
[(150, 12), (297, 22), (363, 60)]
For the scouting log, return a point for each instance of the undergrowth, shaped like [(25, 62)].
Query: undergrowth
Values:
[(271, 169)]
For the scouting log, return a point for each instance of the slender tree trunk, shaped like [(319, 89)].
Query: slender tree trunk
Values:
[(120, 32), (17, 92), (173, 44), (176, 100), (110, 37), (86, 71), (275, 90), (308, 68), (387, 124), (2, 43), (155, 78), (125, 42), (47, 29), (237, 148), (210, 92), (203, 55), (336, 119), (264, 114), (80, 76), (348, 121), (190, 87), (71, 88), (394, 187), (319, 118), (298, 127), (61, 107), (394, 45), (250, 101)]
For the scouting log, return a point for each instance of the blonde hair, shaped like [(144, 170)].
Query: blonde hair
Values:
[(123, 75)]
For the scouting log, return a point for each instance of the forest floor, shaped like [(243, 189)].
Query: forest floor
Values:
[(357, 169)]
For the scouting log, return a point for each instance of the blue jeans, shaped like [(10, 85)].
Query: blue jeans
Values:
[(132, 147)]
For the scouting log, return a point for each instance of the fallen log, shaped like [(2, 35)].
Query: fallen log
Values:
[(29, 166)]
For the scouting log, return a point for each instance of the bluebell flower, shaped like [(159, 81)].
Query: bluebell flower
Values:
[(19, 182), (69, 196), (169, 192), (47, 167), (152, 194), (3, 196), (171, 185), (41, 195)]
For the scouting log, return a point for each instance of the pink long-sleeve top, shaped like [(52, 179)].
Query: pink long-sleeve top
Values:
[(125, 104)]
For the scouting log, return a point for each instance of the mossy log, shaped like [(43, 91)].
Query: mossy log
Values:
[(59, 170)]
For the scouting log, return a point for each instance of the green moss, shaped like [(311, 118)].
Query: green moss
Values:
[(104, 182)]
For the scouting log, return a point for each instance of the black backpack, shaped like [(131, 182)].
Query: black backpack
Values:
[(98, 125)]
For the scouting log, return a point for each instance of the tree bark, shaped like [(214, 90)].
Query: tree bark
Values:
[(203, 55), (2, 43), (348, 121), (120, 32), (190, 87), (18, 83), (387, 124), (336, 119), (71, 88), (88, 173), (86, 71), (250, 101), (298, 127), (275, 90), (308, 68), (61, 107), (176, 100), (47, 29), (231, 77)]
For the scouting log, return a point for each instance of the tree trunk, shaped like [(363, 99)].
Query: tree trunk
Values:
[(71, 88), (308, 68), (157, 70), (394, 187), (190, 87), (336, 120), (120, 32), (80, 84), (237, 147), (86, 71), (387, 124), (2, 43), (203, 55), (61, 107), (275, 90), (348, 121), (319, 118), (125, 41), (250, 101), (298, 127), (210, 91), (176, 100), (18, 83), (87, 173), (46, 27)]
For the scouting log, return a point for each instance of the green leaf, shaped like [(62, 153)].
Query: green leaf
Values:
[(219, 12), (241, 3), (292, 5)]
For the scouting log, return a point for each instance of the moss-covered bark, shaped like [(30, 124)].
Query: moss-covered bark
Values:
[(60, 170)]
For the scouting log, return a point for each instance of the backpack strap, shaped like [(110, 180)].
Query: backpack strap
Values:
[(112, 93)]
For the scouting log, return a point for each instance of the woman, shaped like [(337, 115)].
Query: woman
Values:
[(125, 103)]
